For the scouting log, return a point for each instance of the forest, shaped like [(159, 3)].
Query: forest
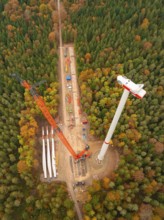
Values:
[(111, 38), (122, 38), (28, 46)]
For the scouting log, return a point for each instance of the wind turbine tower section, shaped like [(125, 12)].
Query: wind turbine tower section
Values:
[(129, 87)]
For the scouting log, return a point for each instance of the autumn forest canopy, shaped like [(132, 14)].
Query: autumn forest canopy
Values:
[(28, 46), (111, 38), (122, 38)]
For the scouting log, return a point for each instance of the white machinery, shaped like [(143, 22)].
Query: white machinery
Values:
[(137, 91)]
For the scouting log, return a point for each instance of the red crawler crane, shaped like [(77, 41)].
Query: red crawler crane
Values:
[(40, 103)]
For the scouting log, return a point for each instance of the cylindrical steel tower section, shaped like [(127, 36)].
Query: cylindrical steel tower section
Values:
[(113, 124)]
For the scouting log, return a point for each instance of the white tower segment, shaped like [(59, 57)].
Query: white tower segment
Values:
[(137, 91)]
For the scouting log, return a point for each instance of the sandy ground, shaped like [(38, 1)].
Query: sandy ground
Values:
[(71, 125), (74, 136), (70, 122)]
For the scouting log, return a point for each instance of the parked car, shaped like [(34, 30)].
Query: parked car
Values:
[(69, 87)]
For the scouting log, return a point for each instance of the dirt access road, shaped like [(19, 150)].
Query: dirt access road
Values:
[(70, 124), (74, 134), (65, 173), (64, 169)]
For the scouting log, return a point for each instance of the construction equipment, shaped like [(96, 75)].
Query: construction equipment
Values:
[(135, 89), (41, 104), (129, 87)]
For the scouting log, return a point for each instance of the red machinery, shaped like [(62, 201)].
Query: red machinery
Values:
[(40, 103)]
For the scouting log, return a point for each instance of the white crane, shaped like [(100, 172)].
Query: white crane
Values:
[(137, 91)]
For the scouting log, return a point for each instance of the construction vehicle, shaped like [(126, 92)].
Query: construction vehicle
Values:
[(41, 104), (66, 68)]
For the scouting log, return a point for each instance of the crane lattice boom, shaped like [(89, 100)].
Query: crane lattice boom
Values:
[(42, 106)]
